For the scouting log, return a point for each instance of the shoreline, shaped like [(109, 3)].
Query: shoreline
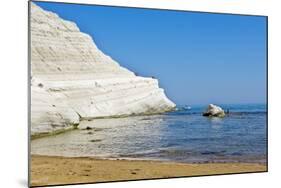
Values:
[(72, 127), (56, 170)]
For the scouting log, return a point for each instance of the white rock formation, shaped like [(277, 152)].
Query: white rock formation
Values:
[(72, 79), (214, 111)]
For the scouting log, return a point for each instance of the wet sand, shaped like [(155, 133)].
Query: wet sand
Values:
[(46, 170)]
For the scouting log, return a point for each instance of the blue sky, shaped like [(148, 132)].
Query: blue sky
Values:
[(199, 58)]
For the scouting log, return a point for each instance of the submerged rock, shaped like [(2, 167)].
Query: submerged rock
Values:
[(214, 111), (72, 80)]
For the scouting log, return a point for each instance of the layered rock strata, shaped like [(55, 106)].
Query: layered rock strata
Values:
[(72, 79)]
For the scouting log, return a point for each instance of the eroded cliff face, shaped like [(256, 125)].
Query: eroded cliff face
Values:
[(72, 79)]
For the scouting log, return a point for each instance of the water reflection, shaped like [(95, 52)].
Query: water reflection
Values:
[(216, 122)]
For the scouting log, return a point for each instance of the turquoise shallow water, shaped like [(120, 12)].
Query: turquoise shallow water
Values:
[(181, 136)]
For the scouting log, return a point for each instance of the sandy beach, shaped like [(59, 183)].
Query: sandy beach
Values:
[(46, 170)]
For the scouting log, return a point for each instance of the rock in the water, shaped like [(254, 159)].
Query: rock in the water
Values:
[(214, 111), (72, 79)]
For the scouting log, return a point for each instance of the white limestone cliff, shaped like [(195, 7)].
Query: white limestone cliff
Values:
[(72, 79)]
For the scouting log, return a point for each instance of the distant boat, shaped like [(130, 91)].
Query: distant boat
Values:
[(187, 107)]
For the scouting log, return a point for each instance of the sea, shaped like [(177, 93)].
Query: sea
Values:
[(183, 135)]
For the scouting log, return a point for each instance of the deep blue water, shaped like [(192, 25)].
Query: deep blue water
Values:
[(240, 136), (182, 136)]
